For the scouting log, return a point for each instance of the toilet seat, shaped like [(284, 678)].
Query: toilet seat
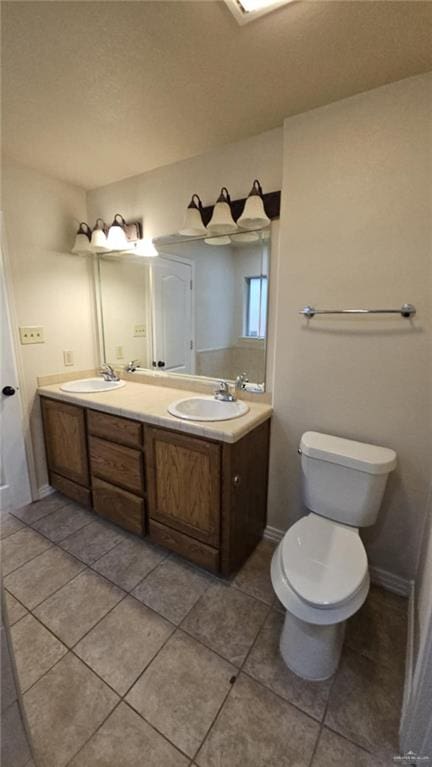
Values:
[(324, 562)]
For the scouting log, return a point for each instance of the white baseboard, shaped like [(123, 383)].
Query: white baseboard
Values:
[(409, 661), (384, 578), (45, 490)]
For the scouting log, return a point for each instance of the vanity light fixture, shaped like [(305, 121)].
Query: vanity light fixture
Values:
[(99, 242), (245, 237), (254, 215), (222, 221), (82, 239), (193, 225), (223, 240)]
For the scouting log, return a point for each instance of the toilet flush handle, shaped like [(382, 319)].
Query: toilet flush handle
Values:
[(299, 450)]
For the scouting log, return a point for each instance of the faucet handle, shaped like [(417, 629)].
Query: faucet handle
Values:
[(222, 387), (241, 381)]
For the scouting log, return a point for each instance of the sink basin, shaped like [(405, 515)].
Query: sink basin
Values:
[(207, 409), (91, 385)]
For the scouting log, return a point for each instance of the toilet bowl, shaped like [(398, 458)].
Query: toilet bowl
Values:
[(319, 570)]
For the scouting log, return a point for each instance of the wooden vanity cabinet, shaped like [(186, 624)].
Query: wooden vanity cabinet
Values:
[(66, 449), (201, 498)]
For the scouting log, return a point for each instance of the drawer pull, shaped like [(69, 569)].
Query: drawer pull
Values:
[(236, 480)]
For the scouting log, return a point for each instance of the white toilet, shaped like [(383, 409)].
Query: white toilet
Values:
[(319, 570)]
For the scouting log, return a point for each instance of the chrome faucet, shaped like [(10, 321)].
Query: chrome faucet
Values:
[(241, 381), (132, 366), (223, 392), (108, 373)]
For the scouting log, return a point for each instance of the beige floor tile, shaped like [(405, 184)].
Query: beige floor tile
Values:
[(378, 631), (123, 643), (335, 751), (63, 522), (14, 746), (78, 606), (265, 663), (172, 588), (126, 740), (20, 547), (35, 650), (227, 621), (15, 610), (254, 577), (92, 541), (34, 511), (365, 703), (64, 709), (39, 578), (129, 562), (9, 524), (256, 728), (388, 599), (182, 690)]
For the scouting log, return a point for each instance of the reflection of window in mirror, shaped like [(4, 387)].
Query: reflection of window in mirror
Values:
[(256, 307)]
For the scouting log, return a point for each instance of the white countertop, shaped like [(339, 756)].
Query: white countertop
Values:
[(147, 403)]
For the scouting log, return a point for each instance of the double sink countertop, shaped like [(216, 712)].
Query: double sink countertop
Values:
[(147, 403)]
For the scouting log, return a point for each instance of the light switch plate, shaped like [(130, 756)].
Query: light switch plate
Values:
[(140, 330), (32, 334), (68, 358)]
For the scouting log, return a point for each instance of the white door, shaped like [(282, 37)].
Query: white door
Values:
[(14, 476), (172, 311)]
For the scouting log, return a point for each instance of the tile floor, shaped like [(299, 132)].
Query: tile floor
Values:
[(128, 656)]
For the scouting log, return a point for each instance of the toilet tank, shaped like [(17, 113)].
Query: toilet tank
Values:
[(344, 480)]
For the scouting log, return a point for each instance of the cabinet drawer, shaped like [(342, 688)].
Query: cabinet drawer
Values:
[(71, 489), (119, 506), (117, 464), (200, 553), (114, 428)]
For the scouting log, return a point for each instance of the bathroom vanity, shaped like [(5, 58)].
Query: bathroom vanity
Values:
[(197, 489)]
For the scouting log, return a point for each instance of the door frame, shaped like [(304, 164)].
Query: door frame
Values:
[(191, 264), (12, 319)]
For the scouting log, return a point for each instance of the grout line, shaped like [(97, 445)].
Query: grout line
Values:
[(93, 733)]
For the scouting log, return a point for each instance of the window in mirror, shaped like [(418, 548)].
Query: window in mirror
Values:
[(256, 307)]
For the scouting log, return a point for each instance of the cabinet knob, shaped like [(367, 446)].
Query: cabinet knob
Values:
[(236, 480)]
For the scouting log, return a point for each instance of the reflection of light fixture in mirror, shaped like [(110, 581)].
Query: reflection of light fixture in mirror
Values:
[(99, 243), (222, 221), (245, 237), (254, 215), (193, 224), (145, 247), (117, 239), (82, 239), (224, 240)]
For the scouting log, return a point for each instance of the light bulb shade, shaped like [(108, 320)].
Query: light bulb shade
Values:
[(117, 239), (222, 221), (254, 215), (82, 239), (99, 243), (193, 224), (245, 237), (224, 240)]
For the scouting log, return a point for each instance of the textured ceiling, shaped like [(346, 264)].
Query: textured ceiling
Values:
[(97, 91)]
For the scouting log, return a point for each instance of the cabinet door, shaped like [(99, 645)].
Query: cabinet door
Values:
[(65, 440), (184, 483)]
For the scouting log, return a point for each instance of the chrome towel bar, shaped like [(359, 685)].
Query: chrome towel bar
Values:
[(406, 310)]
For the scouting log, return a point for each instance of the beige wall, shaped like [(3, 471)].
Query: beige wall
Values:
[(50, 286), (356, 231)]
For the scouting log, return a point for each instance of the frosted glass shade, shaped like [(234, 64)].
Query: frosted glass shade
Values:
[(193, 224), (117, 239), (99, 243), (222, 221), (224, 240), (82, 240), (254, 215)]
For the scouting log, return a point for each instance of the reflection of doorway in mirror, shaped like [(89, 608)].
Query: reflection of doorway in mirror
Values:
[(173, 332)]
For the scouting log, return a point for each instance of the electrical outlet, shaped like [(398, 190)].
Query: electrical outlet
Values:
[(140, 330), (119, 353), (32, 334), (68, 358)]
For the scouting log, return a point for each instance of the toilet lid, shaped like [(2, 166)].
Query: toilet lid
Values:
[(324, 562)]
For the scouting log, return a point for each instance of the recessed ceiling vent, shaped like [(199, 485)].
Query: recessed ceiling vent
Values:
[(249, 10)]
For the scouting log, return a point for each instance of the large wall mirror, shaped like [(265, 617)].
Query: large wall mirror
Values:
[(200, 308)]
